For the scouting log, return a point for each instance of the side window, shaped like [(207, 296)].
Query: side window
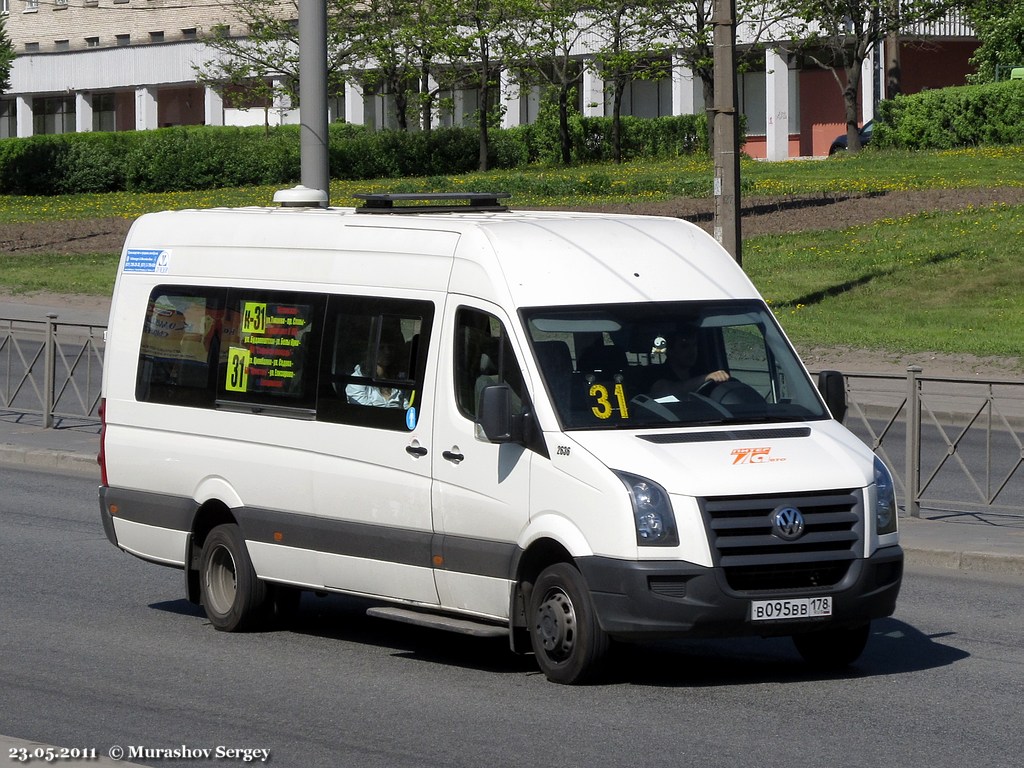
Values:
[(179, 352), (270, 343), (375, 354), (483, 356), (748, 360)]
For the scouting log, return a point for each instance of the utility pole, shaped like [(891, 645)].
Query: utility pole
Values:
[(313, 139), (726, 130)]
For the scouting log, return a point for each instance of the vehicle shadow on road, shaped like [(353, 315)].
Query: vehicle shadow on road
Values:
[(894, 648)]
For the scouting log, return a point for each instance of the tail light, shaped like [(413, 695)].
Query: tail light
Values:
[(101, 457)]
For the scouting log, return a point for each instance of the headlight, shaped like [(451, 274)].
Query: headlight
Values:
[(885, 500), (652, 512)]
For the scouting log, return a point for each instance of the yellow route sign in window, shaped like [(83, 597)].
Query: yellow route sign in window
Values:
[(254, 317), (238, 370)]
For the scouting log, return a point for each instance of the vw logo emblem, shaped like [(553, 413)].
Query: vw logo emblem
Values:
[(787, 523)]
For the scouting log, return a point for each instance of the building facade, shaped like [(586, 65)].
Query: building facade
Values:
[(101, 65)]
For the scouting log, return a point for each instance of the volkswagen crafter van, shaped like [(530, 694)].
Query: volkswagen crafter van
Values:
[(565, 428)]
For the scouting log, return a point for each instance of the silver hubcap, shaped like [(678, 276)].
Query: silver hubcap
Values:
[(220, 581)]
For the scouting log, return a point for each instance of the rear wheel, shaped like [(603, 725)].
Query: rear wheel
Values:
[(567, 640), (233, 598), (833, 648)]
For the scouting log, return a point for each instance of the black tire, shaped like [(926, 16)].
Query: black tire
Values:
[(567, 640), (233, 598), (833, 649)]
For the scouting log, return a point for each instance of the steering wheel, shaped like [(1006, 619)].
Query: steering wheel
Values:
[(730, 392), (706, 387)]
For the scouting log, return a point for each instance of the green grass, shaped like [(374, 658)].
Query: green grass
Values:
[(944, 282), (91, 274)]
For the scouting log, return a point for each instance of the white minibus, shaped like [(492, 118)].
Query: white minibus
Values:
[(563, 428)]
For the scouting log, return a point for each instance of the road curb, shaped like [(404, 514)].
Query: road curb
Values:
[(979, 562), (48, 458)]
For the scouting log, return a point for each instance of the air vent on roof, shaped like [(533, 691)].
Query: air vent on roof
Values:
[(301, 197), (438, 202)]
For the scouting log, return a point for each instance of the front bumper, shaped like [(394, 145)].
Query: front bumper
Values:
[(638, 599)]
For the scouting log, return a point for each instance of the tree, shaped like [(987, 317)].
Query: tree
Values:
[(6, 57), (999, 26), (687, 24), (263, 62), (841, 34), (412, 48), (541, 41), (484, 20), (630, 48)]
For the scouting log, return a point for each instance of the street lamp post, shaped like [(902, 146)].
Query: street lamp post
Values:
[(726, 130), (313, 140)]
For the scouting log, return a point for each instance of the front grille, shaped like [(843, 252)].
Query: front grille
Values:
[(753, 559)]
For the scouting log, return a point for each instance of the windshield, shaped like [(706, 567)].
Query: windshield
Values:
[(659, 364)]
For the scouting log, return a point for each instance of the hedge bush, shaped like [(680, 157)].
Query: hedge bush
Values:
[(962, 116), (205, 157)]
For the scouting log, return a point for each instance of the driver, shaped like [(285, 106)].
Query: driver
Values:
[(684, 378)]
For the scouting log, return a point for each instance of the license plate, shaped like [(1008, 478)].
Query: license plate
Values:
[(797, 608)]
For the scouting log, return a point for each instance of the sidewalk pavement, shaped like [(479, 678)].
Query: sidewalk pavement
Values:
[(987, 541)]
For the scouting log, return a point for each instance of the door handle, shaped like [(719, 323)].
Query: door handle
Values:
[(453, 457), (416, 450)]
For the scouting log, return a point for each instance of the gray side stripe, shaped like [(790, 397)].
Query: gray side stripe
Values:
[(460, 554), (174, 512)]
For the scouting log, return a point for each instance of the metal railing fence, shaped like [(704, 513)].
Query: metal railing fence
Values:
[(955, 443), (50, 368), (951, 442)]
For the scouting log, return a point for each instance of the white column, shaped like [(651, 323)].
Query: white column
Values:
[(684, 87), (459, 107), (355, 109), (593, 93), (776, 84), (281, 108), (83, 112), (24, 116), (435, 108), (145, 109), (867, 85), (510, 100), (213, 107)]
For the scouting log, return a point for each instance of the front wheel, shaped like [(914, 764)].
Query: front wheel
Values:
[(567, 640), (233, 598), (833, 649)]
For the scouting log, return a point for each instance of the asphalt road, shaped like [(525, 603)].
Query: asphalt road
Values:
[(98, 649)]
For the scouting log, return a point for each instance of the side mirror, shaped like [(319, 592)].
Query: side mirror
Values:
[(832, 386), (494, 415)]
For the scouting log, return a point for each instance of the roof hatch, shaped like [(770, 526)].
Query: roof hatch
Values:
[(434, 202)]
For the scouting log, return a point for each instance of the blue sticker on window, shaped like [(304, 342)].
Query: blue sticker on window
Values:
[(410, 418), (147, 260)]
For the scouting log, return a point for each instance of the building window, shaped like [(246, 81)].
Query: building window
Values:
[(92, 42), (62, 45), (122, 39), (8, 119), (5, 7), (59, 5), (188, 34), (31, 47), (156, 37), (104, 114), (31, 6), (53, 114)]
